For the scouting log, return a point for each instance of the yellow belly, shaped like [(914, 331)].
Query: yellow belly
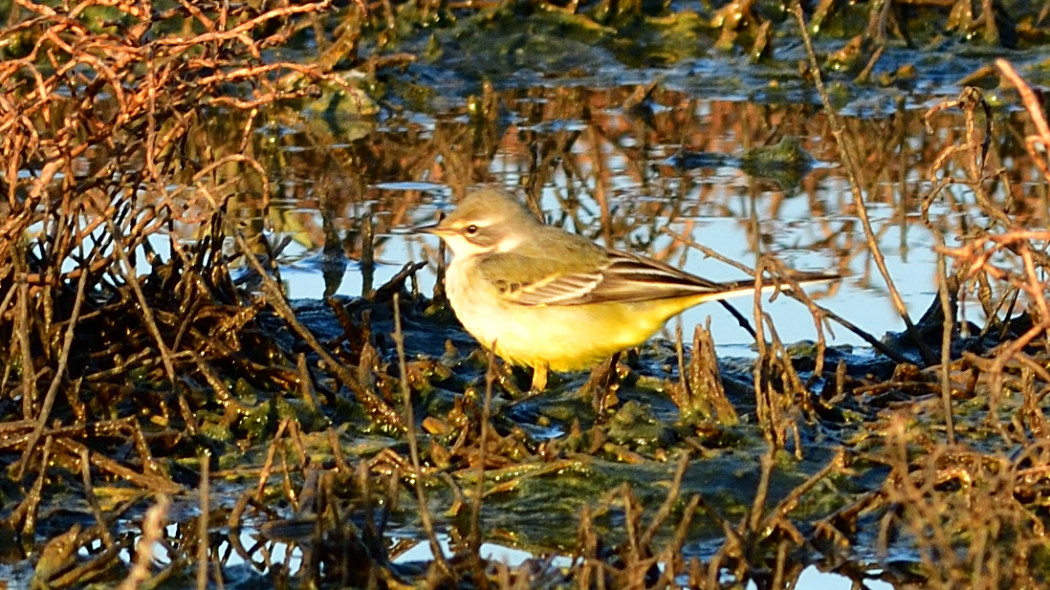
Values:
[(564, 338)]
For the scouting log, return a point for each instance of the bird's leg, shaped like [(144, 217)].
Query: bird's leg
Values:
[(539, 382), (602, 381), (539, 378)]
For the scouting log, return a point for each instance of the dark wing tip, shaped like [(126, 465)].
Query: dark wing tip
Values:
[(805, 277)]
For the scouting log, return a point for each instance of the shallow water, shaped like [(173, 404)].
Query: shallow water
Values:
[(612, 177)]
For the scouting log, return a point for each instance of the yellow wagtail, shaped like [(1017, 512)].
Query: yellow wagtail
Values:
[(542, 297)]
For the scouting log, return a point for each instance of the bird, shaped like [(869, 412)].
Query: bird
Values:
[(539, 296)]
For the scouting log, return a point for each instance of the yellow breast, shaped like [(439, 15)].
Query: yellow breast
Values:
[(564, 338)]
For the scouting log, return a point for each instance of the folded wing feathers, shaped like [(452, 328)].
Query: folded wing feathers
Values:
[(570, 289), (628, 278), (625, 278)]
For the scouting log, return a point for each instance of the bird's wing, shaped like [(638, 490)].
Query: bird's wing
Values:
[(631, 278), (621, 278), (529, 280)]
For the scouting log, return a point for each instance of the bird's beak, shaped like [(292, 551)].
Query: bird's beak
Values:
[(433, 228), (437, 229)]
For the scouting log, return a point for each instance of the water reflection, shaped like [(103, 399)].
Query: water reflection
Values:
[(603, 171)]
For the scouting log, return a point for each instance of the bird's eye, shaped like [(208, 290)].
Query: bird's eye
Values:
[(472, 229)]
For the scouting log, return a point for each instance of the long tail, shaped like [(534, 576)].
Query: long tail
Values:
[(730, 289)]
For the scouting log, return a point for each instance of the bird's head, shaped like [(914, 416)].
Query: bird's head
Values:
[(485, 221)]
